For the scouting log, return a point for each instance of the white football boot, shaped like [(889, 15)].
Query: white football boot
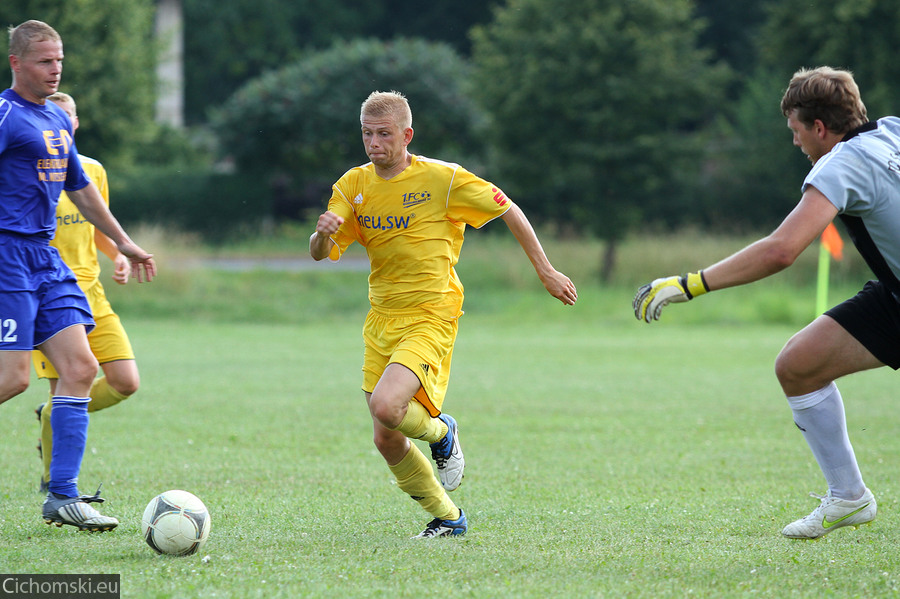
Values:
[(77, 512), (448, 455), (445, 528), (831, 514)]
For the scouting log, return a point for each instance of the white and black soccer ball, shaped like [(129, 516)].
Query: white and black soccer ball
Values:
[(175, 523)]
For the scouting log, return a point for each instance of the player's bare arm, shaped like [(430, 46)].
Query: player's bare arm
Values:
[(320, 242), (758, 260), (777, 251), (91, 205), (556, 283), (121, 264)]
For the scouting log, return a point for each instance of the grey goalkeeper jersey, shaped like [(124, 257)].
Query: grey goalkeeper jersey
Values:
[(861, 177)]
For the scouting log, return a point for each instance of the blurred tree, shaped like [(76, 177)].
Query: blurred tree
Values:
[(446, 21), (229, 43), (732, 31), (757, 170), (598, 108), (860, 35), (298, 127), (108, 69)]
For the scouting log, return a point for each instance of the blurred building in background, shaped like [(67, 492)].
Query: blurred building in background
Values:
[(170, 67)]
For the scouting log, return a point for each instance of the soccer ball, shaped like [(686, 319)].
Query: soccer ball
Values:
[(175, 523)]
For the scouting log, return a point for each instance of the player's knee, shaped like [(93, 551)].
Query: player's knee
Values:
[(789, 371), (126, 386), (128, 390), (782, 367), (385, 412), (81, 372), (13, 383), (89, 370)]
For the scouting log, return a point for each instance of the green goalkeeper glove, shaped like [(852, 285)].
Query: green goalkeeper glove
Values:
[(650, 299)]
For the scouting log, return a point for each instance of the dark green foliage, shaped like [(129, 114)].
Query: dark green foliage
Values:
[(757, 172), (862, 36), (215, 205), (597, 107), (249, 37), (731, 31), (109, 69), (175, 148)]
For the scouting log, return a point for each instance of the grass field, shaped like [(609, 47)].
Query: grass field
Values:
[(605, 457)]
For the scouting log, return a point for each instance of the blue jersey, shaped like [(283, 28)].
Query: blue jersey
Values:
[(861, 177), (38, 160)]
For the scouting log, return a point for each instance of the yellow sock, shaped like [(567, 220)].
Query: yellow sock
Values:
[(103, 395), (416, 478), (46, 438), (418, 424)]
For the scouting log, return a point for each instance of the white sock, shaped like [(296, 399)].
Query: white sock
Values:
[(820, 416)]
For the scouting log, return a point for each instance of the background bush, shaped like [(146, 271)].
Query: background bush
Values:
[(217, 206)]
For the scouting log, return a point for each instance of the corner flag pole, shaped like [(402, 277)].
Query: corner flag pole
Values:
[(832, 247)]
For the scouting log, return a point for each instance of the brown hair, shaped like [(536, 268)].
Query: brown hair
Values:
[(825, 94), (30, 32)]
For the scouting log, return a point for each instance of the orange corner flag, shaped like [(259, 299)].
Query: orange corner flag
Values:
[(832, 242)]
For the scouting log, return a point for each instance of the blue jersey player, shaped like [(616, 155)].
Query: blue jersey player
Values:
[(41, 305), (856, 176)]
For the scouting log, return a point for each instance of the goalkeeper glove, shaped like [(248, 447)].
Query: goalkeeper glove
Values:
[(650, 299)]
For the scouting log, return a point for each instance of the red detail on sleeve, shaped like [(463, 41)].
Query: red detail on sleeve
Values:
[(499, 196)]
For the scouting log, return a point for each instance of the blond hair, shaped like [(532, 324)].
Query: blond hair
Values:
[(62, 97), (825, 94), (387, 104), (30, 32)]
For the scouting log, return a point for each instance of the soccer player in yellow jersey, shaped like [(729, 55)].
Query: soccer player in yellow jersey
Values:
[(410, 213), (77, 241)]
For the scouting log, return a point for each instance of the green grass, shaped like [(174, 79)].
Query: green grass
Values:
[(498, 279), (605, 457)]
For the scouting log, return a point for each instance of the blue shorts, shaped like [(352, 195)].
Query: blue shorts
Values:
[(39, 295)]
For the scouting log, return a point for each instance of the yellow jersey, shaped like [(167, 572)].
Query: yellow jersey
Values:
[(75, 234), (412, 227)]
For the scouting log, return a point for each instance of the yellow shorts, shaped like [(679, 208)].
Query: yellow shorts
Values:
[(420, 341), (108, 340)]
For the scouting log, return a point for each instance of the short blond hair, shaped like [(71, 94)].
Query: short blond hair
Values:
[(62, 97), (392, 104), (30, 32)]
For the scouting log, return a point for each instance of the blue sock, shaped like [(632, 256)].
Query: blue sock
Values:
[(69, 419)]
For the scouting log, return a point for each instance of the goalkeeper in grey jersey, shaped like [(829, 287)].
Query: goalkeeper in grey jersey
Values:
[(856, 176)]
